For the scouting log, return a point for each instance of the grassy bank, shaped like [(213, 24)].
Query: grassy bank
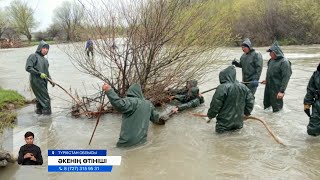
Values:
[(9, 100)]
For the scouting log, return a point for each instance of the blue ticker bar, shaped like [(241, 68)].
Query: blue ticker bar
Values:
[(70, 152), (79, 168)]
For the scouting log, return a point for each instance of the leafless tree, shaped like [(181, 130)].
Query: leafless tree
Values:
[(69, 16), (4, 22), (11, 34), (22, 19), (156, 43)]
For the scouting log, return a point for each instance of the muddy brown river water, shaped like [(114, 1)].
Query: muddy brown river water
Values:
[(186, 147)]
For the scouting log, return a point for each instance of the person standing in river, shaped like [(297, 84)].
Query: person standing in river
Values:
[(136, 114), (89, 47), (312, 98), (251, 63), (38, 67), (230, 102), (277, 79)]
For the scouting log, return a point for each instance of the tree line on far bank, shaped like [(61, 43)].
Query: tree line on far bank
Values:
[(263, 21)]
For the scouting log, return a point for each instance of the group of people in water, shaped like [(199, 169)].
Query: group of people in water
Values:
[(231, 101)]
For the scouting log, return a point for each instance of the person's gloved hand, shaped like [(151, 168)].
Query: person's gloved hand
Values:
[(53, 84), (307, 109), (254, 83), (235, 63), (43, 76)]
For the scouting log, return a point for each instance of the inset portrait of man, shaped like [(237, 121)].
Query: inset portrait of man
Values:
[(30, 154)]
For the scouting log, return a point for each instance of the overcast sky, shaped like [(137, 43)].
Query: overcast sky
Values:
[(43, 10)]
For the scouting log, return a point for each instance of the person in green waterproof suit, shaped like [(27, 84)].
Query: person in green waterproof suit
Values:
[(277, 78), (312, 98), (230, 102), (189, 96), (136, 114), (251, 63), (38, 67)]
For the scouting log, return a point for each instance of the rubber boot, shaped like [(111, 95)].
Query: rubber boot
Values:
[(46, 111), (39, 108)]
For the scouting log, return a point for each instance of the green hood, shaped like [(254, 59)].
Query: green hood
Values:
[(276, 48), (135, 91), (227, 75), (247, 42), (40, 46), (193, 83)]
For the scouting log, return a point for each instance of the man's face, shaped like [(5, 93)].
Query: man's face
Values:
[(245, 49), (44, 51), (273, 55), (29, 140)]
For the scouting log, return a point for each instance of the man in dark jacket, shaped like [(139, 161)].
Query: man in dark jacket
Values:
[(189, 96), (251, 63), (89, 47), (30, 154), (136, 113), (278, 76), (38, 67), (230, 101), (312, 98)]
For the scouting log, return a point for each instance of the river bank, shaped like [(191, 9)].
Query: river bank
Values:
[(9, 101)]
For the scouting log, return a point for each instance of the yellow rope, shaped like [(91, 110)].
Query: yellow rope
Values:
[(246, 118), (267, 127)]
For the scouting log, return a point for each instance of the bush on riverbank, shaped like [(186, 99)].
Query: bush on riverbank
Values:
[(9, 100), (263, 21)]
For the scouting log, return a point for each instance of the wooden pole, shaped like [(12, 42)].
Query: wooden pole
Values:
[(98, 119), (209, 90), (78, 103)]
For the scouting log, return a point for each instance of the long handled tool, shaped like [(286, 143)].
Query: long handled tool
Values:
[(201, 115), (217, 87), (98, 119), (250, 117), (78, 103), (209, 90), (250, 82), (171, 113)]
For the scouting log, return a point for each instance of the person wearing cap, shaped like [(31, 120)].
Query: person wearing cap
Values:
[(312, 98), (38, 67), (251, 63), (277, 78)]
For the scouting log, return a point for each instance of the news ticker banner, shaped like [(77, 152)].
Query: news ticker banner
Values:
[(81, 161)]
